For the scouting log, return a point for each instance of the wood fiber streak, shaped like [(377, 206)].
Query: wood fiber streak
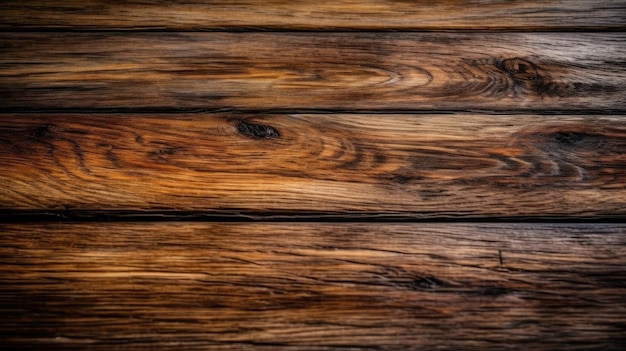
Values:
[(311, 15), (413, 165), (345, 71), (172, 286)]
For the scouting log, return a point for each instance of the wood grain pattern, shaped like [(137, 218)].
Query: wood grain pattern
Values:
[(172, 286), (344, 71), (324, 15), (346, 164)]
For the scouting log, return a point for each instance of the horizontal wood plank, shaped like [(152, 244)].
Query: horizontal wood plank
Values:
[(302, 14), (455, 165), (172, 286), (294, 71)]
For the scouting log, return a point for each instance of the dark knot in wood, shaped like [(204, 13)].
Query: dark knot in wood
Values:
[(519, 69), (257, 131), (40, 132), (574, 138)]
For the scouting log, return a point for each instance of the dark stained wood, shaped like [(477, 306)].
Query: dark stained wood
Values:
[(315, 15), (313, 286), (346, 71), (457, 165)]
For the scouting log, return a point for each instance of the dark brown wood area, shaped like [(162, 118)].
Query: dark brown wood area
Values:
[(312, 286), (301, 175)]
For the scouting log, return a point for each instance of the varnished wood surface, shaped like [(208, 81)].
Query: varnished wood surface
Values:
[(312, 15), (313, 286), (420, 166), (296, 71)]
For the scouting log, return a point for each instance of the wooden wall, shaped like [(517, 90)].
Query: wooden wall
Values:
[(288, 175)]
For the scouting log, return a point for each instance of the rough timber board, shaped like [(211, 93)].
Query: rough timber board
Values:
[(347, 165), (312, 286), (312, 15), (302, 71)]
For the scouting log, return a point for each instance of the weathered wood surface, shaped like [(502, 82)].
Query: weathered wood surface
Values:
[(347, 110), (314, 286), (414, 165), (345, 71), (313, 15)]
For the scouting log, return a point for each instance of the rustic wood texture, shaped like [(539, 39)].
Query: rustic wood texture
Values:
[(310, 116), (172, 286), (345, 71), (312, 15), (415, 165)]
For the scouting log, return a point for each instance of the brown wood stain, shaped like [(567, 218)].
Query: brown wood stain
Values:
[(287, 175)]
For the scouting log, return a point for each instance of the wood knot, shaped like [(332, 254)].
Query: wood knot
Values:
[(519, 69), (402, 278), (427, 282), (570, 138), (576, 139), (40, 132), (257, 131), (566, 139)]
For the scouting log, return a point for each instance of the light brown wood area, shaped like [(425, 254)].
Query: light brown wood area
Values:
[(262, 286), (314, 15), (346, 71), (415, 165)]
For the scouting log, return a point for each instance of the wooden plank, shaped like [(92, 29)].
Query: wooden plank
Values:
[(458, 165), (345, 71), (313, 286), (301, 14)]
